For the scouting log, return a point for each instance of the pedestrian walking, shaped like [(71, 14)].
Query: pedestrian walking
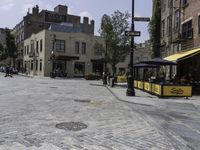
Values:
[(8, 72)]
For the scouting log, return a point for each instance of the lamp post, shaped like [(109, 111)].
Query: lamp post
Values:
[(52, 57), (130, 90), (105, 68)]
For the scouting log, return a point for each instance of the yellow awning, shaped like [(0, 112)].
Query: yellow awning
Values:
[(183, 55)]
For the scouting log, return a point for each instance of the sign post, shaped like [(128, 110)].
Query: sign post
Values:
[(144, 19)]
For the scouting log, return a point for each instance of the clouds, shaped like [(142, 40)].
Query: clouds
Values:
[(6, 5)]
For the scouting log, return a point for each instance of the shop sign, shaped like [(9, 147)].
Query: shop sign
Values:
[(177, 91)]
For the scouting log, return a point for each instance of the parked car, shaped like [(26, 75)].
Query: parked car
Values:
[(2, 69), (14, 71)]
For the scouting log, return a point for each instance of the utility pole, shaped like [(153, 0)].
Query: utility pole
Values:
[(130, 90)]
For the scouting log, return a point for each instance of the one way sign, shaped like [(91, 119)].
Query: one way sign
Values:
[(132, 33)]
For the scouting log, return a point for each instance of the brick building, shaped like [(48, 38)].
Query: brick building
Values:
[(180, 35), (38, 20), (180, 25)]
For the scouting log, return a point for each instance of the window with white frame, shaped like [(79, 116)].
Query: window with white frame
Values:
[(60, 45), (187, 31)]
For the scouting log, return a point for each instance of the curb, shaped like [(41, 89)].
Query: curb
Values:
[(122, 100)]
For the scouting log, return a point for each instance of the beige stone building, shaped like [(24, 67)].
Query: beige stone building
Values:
[(71, 53), (38, 20), (142, 52)]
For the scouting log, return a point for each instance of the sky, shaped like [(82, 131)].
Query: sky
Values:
[(12, 11)]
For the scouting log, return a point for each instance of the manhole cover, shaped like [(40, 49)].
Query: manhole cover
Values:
[(43, 83), (72, 126), (82, 100), (53, 87)]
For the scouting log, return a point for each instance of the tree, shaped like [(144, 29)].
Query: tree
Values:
[(11, 49), (117, 44), (154, 28), (3, 54)]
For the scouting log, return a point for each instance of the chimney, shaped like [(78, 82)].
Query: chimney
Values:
[(85, 20), (61, 9), (35, 10)]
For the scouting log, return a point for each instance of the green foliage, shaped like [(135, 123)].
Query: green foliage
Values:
[(11, 48), (99, 48), (154, 28), (117, 44), (3, 55)]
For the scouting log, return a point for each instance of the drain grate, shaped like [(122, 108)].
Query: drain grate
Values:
[(82, 100), (72, 126)]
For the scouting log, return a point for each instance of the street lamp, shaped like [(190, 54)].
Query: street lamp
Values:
[(105, 68), (52, 57), (130, 90)]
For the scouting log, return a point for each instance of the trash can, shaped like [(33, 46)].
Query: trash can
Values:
[(112, 83)]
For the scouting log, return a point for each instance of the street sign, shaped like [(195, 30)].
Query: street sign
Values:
[(146, 19), (132, 33)]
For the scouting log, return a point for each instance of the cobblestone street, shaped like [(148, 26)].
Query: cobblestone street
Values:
[(30, 109)]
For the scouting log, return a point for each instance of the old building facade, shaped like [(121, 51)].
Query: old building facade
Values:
[(180, 25), (180, 33), (72, 53), (38, 20)]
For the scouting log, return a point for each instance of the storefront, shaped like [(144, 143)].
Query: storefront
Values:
[(158, 85), (188, 64), (164, 90)]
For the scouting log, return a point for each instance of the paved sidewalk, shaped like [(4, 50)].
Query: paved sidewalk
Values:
[(144, 98)]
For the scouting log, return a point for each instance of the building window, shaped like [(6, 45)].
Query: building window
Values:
[(163, 28), (60, 45), (40, 64), (187, 31), (79, 68), (199, 24), (41, 45), (163, 5), (76, 47), (37, 46), (31, 64), (27, 49), (169, 25), (36, 65), (24, 50), (177, 20), (170, 3), (185, 3), (83, 49)]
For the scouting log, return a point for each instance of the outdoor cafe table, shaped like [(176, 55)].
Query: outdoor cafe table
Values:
[(164, 89)]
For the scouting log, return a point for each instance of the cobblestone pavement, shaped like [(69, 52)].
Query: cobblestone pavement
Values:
[(30, 109), (176, 118)]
